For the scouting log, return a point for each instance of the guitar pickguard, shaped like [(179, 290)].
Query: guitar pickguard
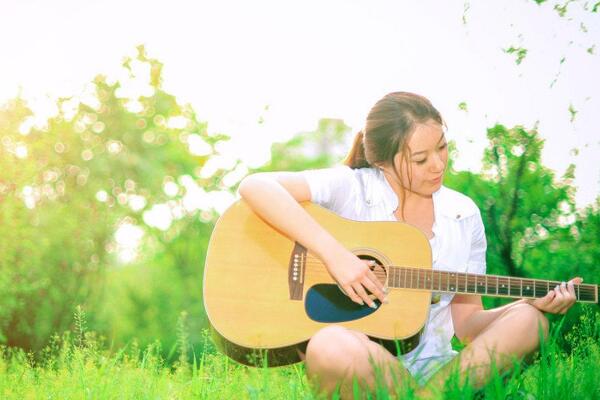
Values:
[(326, 303)]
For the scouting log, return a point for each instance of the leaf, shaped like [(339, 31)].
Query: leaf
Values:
[(466, 7), (592, 49), (573, 112), (561, 9), (519, 51)]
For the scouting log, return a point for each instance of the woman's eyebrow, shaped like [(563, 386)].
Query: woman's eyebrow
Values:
[(425, 151)]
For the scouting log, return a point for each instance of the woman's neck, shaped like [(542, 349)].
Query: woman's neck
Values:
[(405, 195)]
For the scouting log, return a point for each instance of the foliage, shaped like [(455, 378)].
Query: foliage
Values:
[(531, 220), (101, 162), (309, 150), (147, 297), (520, 53)]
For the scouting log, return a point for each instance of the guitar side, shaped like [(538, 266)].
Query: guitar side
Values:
[(247, 281)]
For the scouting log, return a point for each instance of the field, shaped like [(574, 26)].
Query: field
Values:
[(78, 365)]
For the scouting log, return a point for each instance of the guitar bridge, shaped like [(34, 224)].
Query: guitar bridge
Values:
[(296, 270)]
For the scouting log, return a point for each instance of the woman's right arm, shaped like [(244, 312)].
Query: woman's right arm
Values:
[(275, 197)]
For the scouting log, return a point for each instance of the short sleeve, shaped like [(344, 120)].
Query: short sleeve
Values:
[(330, 187), (477, 263)]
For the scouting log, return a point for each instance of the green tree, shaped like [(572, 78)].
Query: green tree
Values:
[(103, 160), (531, 221), (320, 148)]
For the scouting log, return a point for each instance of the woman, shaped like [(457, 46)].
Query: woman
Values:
[(394, 171)]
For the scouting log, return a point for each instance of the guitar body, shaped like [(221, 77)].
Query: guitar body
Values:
[(265, 295)]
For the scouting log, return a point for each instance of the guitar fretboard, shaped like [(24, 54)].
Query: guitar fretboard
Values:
[(487, 285)]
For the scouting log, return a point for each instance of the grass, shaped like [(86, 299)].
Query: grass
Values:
[(78, 365)]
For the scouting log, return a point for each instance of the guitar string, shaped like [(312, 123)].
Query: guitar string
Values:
[(514, 288), (312, 260), (513, 285), (316, 261)]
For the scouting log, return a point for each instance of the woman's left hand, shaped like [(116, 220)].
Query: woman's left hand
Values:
[(558, 300)]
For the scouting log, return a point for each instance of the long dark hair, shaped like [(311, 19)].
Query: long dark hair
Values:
[(389, 123)]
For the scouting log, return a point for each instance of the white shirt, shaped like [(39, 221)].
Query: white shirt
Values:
[(458, 243)]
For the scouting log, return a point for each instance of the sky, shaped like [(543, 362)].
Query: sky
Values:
[(294, 62)]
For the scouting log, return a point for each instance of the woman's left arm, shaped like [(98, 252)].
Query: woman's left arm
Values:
[(469, 317)]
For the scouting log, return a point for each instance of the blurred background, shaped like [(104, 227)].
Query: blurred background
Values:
[(125, 128)]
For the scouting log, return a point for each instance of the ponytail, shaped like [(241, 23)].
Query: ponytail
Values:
[(356, 156)]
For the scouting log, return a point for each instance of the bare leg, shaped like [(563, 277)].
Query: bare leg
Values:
[(336, 355), (514, 334)]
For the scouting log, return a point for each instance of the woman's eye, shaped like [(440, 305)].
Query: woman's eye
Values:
[(443, 146), (421, 161)]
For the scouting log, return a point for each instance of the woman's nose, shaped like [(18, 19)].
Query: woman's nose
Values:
[(438, 163)]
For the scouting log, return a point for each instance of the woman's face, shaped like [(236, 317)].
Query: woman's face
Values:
[(426, 159)]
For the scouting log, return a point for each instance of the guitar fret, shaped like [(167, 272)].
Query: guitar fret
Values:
[(417, 279), (400, 279), (486, 284), (477, 284), (414, 278), (502, 286), (431, 279), (496, 283), (529, 289), (418, 282), (541, 288), (521, 287), (462, 288)]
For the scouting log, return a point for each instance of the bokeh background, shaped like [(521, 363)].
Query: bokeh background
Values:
[(125, 128)]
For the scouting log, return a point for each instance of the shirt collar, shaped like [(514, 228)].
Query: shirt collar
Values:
[(378, 191)]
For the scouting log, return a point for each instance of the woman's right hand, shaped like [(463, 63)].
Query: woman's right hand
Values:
[(353, 275)]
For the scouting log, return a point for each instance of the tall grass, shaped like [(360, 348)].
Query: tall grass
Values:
[(80, 365)]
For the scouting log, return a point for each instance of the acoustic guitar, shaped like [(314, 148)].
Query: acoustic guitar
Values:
[(265, 295)]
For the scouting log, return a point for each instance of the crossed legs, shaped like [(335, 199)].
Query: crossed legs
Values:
[(336, 355)]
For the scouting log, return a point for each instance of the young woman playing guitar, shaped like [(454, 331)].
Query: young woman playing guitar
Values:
[(395, 171)]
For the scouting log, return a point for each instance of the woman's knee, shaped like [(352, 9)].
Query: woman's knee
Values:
[(532, 320), (333, 347)]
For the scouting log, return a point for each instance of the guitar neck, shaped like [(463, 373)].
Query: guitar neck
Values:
[(486, 285)]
